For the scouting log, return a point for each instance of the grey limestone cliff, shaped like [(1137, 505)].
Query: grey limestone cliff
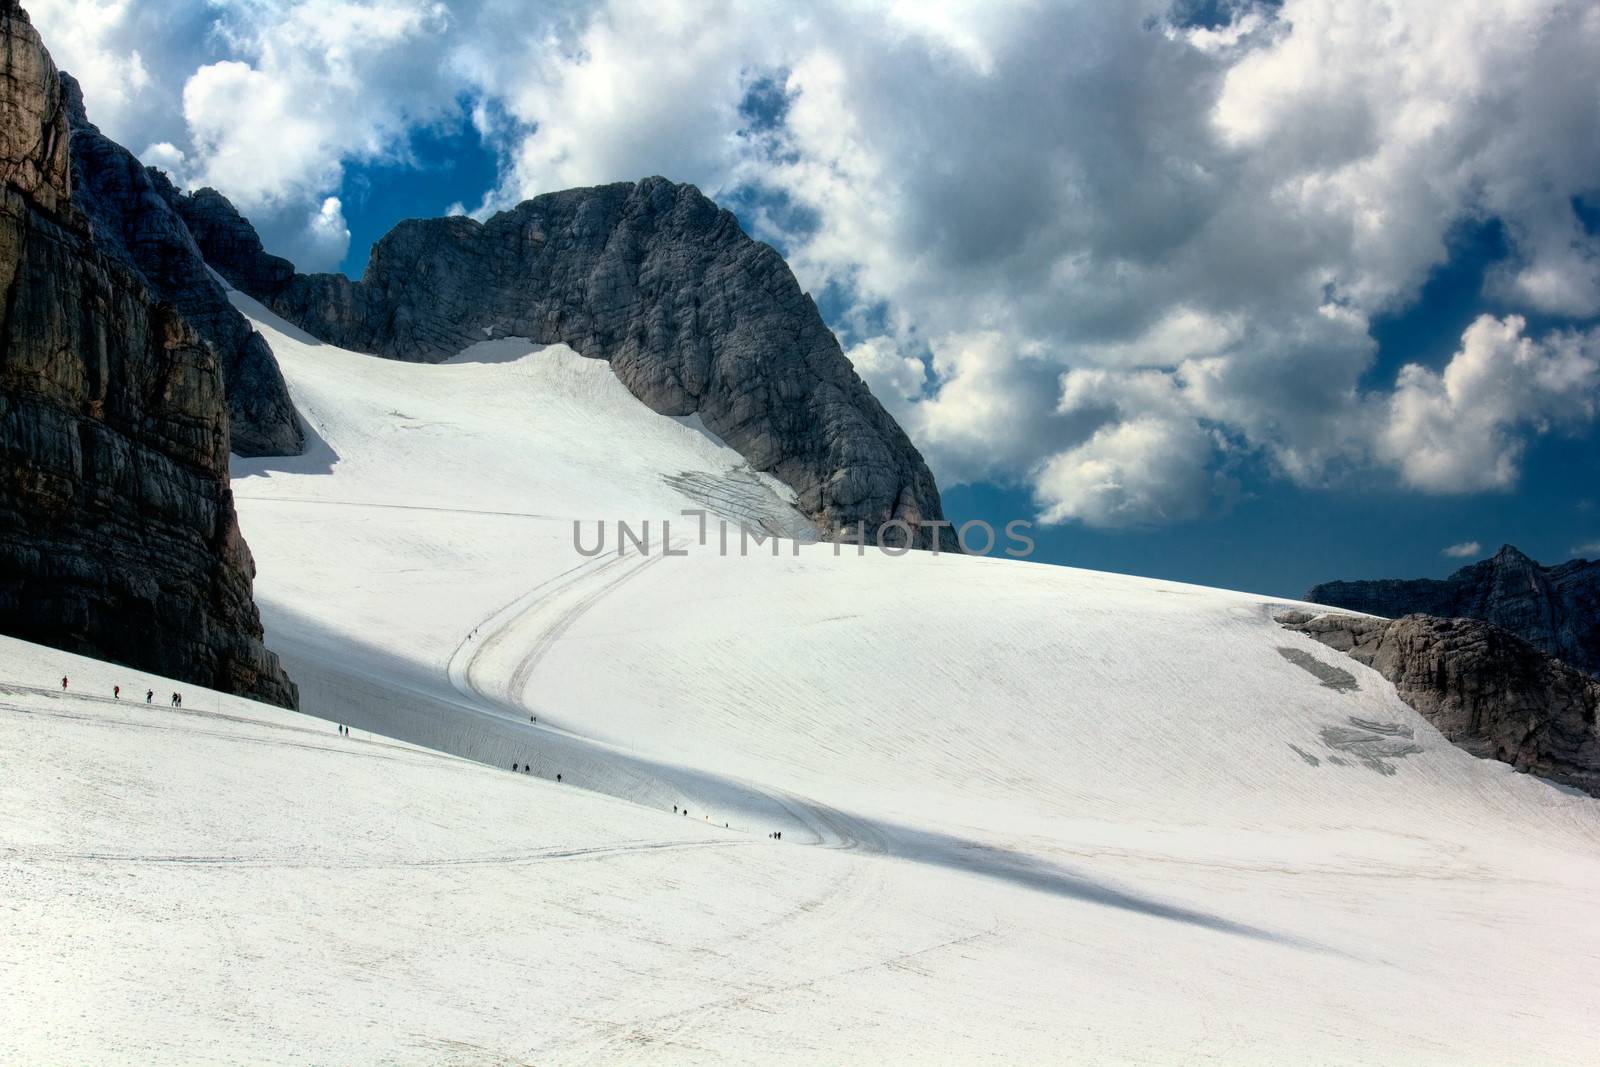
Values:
[(130, 209), (693, 316), (1487, 690), (1556, 608), (118, 537)]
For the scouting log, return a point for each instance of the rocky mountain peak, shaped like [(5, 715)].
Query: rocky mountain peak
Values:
[(692, 315), (1512, 554), (130, 207), (1556, 609)]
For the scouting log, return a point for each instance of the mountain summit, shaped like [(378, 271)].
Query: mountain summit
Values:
[(694, 317), (1556, 609)]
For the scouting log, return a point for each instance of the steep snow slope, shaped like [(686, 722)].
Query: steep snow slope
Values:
[(1071, 816)]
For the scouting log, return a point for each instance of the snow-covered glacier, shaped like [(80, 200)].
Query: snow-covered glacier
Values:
[(1028, 813)]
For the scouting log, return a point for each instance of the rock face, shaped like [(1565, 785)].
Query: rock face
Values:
[(1487, 690), (1556, 609), (118, 537), (693, 316), (130, 209)]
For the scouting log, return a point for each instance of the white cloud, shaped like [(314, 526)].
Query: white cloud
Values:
[(229, 107), (1464, 550), (894, 379), (170, 158), (93, 40), (1466, 428), (303, 88), (323, 239), (1146, 470), (1587, 548)]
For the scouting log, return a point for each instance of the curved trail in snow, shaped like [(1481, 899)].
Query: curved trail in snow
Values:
[(538, 619)]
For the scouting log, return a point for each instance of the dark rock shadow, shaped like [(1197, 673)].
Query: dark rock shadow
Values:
[(318, 458)]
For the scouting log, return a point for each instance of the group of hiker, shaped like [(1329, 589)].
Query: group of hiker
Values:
[(775, 835), (344, 731), (116, 693), (527, 768)]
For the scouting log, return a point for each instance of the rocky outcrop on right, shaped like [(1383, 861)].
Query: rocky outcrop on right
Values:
[(1556, 608), (130, 208), (693, 316), (1487, 690), (118, 537)]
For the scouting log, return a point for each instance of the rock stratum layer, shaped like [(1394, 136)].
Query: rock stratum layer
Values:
[(131, 209), (693, 316), (1556, 609), (118, 537), (1487, 690)]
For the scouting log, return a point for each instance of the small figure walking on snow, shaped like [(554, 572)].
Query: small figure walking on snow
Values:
[(149, 695), (558, 777), (116, 692), (63, 683)]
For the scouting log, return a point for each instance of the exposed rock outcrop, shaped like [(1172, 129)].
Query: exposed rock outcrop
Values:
[(693, 316), (1487, 690), (118, 537), (130, 208), (1556, 609)]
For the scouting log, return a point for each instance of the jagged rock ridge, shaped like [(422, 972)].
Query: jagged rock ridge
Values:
[(1487, 690), (693, 316), (130, 208), (118, 537), (1556, 609)]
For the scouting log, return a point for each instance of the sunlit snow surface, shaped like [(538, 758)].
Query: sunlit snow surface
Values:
[(1063, 816)]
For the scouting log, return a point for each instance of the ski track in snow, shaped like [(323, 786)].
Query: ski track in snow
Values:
[(1064, 816)]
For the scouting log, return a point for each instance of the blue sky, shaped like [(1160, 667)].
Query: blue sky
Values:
[(1245, 293)]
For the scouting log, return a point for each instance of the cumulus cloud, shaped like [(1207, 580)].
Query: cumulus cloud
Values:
[(1465, 428), (324, 237), (1464, 550), (1142, 471), (103, 43), (1084, 247), (304, 89)]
